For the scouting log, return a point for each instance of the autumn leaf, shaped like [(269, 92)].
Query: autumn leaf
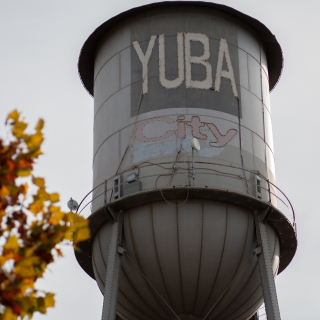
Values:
[(39, 125), (36, 207), (54, 197), (18, 129), (81, 235), (57, 217), (11, 245), (29, 244), (38, 182), (34, 140), (24, 172), (14, 115), (4, 191), (9, 315), (49, 300)]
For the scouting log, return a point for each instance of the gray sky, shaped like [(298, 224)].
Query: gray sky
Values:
[(40, 45)]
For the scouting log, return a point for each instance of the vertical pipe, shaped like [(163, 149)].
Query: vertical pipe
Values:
[(192, 163)]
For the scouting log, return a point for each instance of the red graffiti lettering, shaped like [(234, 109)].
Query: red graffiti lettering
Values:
[(196, 124), (139, 132), (181, 131), (222, 140)]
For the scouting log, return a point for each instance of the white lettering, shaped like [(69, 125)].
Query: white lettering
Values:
[(228, 74), (170, 84), (144, 58), (207, 82)]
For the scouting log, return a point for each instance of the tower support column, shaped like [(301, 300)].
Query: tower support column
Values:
[(266, 272), (113, 268)]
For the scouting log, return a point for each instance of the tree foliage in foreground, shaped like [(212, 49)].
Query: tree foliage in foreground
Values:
[(31, 224)]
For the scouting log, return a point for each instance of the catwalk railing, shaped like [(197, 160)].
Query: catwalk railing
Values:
[(272, 194)]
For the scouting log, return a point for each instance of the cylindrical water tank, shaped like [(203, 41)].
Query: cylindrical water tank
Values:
[(161, 75)]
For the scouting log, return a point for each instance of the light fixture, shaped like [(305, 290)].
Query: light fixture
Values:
[(132, 177)]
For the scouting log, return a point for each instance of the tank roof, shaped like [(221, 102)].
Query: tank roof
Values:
[(272, 47)]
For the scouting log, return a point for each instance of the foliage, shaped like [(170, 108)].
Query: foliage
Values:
[(31, 224)]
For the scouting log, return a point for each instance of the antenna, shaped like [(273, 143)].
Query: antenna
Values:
[(195, 145)]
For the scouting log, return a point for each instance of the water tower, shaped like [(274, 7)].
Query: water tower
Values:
[(186, 219)]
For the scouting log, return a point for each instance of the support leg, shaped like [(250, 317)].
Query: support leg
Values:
[(254, 317), (266, 272), (113, 270)]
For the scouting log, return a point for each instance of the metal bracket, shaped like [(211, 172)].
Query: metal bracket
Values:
[(109, 214), (262, 214), (257, 250), (254, 317), (267, 216), (121, 250)]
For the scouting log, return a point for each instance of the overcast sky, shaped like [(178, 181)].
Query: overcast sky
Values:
[(40, 45)]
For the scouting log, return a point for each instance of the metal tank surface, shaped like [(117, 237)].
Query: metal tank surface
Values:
[(172, 235)]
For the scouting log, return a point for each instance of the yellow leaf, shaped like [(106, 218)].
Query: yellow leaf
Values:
[(54, 197), (68, 235), (3, 260), (39, 125), (40, 305), (29, 252), (4, 149), (24, 172), (36, 207), (18, 129), (9, 315), (29, 267), (49, 300), (39, 182), (4, 191), (81, 235), (12, 244), (14, 115), (57, 217), (78, 222), (70, 216), (44, 196), (35, 152), (34, 140), (54, 209)]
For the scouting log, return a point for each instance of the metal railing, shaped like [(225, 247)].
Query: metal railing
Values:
[(283, 203)]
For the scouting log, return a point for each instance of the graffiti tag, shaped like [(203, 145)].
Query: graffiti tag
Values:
[(196, 124)]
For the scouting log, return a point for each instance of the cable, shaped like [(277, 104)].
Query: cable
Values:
[(99, 185)]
